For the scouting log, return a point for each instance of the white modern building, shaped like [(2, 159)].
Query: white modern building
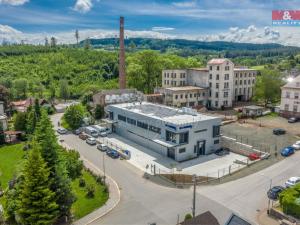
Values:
[(290, 98), (226, 83), (180, 134)]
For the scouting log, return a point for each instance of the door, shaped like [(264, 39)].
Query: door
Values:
[(171, 153), (200, 148)]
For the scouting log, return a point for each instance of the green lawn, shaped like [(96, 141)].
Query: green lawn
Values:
[(260, 67), (84, 205), (10, 162)]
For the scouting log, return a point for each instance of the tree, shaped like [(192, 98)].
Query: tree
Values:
[(52, 91), (31, 121), (37, 108), (20, 119), (46, 42), (267, 87), (2, 139), (87, 44), (77, 36), (4, 96), (99, 112), (74, 116), (64, 90), (53, 42), (21, 87), (36, 201)]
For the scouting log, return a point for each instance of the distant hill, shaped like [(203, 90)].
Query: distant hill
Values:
[(194, 47)]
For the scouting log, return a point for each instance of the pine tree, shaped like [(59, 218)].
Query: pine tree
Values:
[(99, 112), (36, 204), (37, 108), (30, 121)]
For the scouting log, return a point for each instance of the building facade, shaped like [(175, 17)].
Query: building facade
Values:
[(226, 83), (180, 134), (184, 96), (290, 99)]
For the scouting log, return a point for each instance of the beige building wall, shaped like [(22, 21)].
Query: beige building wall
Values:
[(244, 82), (174, 78)]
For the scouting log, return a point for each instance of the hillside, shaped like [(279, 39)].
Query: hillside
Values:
[(184, 47)]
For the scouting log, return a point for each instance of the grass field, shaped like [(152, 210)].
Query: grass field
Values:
[(261, 67), (84, 205)]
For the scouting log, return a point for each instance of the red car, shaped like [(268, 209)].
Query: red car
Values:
[(253, 156)]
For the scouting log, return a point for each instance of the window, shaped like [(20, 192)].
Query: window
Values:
[(210, 76), (131, 121), (216, 131), (176, 96), (210, 67), (227, 68), (217, 95), (183, 137), (199, 131), (218, 68), (181, 96), (235, 91), (216, 141), (210, 84), (165, 75), (241, 75), (286, 107), (225, 94), (165, 82), (195, 95), (217, 85), (216, 103), (181, 150), (170, 136), (142, 125), (226, 76), (245, 82), (253, 81), (225, 103), (241, 82), (249, 81), (236, 82), (295, 108), (203, 94), (217, 77), (226, 85), (122, 118), (191, 104), (191, 95), (287, 94), (186, 96), (155, 129), (236, 75), (296, 95)]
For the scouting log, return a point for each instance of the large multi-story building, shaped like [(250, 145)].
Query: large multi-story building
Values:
[(180, 134), (225, 83), (290, 99)]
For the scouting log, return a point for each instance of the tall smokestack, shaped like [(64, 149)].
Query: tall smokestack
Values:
[(122, 75)]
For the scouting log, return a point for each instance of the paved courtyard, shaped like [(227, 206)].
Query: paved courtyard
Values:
[(141, 157)]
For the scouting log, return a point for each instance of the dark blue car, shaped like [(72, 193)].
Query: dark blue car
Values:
[(287, 151), (112, 153)]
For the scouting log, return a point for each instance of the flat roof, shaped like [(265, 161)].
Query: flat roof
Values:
[(253, 107), (177, 116), (199, 69), (185, 88), (243, 69)]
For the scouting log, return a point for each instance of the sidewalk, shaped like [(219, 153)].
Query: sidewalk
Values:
[(112, 202), (264, 219)]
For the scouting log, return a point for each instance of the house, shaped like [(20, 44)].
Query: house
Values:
[(180, 134), (3, 117), (252, 110), (61, 107), (225, 83), (206, 218), (290, 99), (23, 105)]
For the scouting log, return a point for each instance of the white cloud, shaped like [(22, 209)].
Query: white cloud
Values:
[(187, 4), (162, 28), (83, 6), (13, 2), (250, 34)]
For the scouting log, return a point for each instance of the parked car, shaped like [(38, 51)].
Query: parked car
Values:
[(296, 146), (91, 141), (292, 181), (279, 131), (102, 147), (83, 136), (274, 192), (62, 130), (77, 131), (253, 156), (293, 120), (112, 153), (103, 134), (287, 151), (222, 151)]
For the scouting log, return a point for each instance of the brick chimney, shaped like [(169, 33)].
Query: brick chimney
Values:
[(122, 75)]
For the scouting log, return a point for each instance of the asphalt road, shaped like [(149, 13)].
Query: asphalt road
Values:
[(143, 201)]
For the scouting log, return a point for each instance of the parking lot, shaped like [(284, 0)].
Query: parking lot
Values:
[(261, 138), (142, 158)]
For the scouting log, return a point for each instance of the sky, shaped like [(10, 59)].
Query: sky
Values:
[(206, 20)]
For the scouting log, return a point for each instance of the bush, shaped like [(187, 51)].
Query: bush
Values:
[(90, 191), (289, 201), (99, 179), (81, 182), (188, 217)]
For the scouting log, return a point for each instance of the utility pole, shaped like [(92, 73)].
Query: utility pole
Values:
[(103, 162), (194, 195)]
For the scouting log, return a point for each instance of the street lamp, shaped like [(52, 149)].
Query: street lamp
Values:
[(269, 200), (194, 179), (103, 162)]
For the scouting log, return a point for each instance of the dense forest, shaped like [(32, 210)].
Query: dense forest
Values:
[(74, 71)]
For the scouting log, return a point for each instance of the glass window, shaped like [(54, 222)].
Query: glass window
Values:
[(155, 129), (170, 136), (295, 108), (142, 125), (287, 94), (217, 77), (183, 137), (216, 131), (122, 118), (181, 150), (131, 121), (286, 107)]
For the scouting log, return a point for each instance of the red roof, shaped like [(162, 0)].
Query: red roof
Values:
[(19, 103), (217, 61)]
